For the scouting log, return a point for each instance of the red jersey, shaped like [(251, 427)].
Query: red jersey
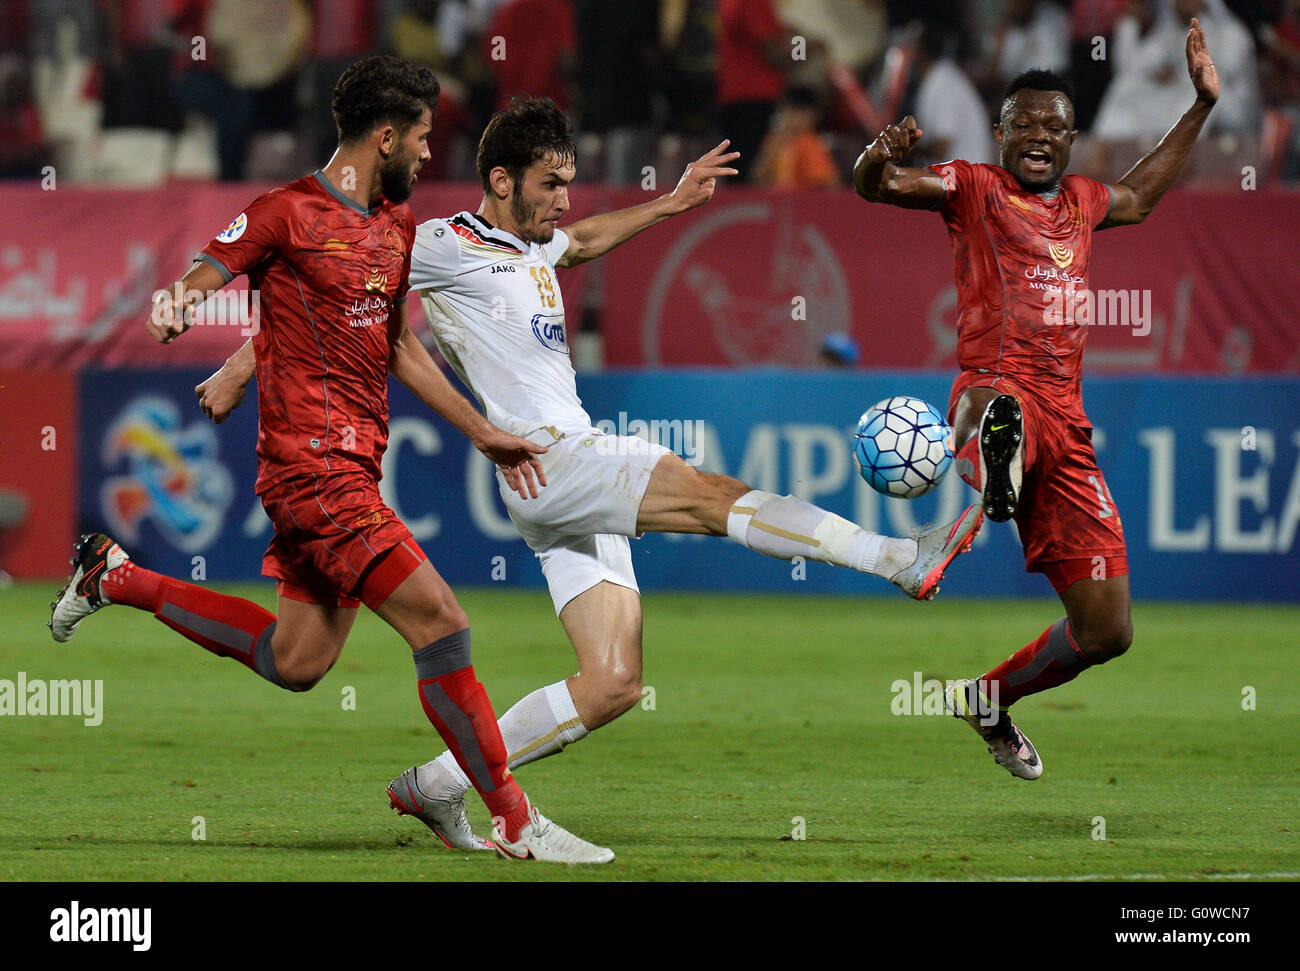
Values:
[(328, 275), (1019, 256)]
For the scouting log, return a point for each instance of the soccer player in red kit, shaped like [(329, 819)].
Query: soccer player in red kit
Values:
[(329, 256), (1022, 236)]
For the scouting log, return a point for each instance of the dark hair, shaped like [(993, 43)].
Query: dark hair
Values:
[(529, 130), (382, 90), (1036, 79)]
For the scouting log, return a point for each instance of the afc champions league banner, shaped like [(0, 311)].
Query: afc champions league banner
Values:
[(1205, 474)]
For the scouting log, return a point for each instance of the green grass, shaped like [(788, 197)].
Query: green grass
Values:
[(766, 708)]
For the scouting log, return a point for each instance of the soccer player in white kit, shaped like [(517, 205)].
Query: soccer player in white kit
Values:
[(488, 288)]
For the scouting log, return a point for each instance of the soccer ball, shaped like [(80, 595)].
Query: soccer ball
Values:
[(903, 447)]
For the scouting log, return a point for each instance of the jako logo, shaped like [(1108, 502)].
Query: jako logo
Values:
[(102, 924), (549, 329)]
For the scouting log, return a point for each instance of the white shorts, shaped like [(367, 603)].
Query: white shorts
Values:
[(579, 523)]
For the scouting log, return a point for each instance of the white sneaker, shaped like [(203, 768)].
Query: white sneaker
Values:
[(443, 812), (94, 556), (543, 840), (936, 548), (1009, 746)]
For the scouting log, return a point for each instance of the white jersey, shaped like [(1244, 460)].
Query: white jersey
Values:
[(496, 314)]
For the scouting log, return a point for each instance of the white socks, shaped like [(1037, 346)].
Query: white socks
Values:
[(786, 527), (540, 724)]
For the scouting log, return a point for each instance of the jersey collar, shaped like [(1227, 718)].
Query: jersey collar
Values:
[(337, 194), (501, 234)]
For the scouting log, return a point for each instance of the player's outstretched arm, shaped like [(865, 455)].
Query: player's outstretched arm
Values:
[(411, 364), (172, 312), (223, 392), (878, 177), (1141, 188), (597, 235)]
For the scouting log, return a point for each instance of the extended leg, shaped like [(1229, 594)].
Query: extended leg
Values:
[(293, 651), (681, 499)]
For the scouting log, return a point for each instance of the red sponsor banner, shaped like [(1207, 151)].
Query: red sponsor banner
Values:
[(752, 278), (758, 278), (38, 439), (79, 267)]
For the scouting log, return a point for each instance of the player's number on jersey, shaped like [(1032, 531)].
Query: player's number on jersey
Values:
[(1105, 512), (545, 285)]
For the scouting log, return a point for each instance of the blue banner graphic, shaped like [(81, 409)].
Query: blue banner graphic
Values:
[(1205, 473)]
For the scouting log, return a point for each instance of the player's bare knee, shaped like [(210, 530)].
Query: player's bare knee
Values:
[(301, 672), (451, 616), (441, 616), (618, 690), (625, 694), (1106, 644)]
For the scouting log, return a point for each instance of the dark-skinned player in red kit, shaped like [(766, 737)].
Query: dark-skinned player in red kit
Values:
[(1021, 234)]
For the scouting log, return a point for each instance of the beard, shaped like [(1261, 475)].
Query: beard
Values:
[(395, 178), (520, 214)]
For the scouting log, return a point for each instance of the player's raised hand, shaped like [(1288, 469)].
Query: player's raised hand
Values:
[(1205, 78), (701, 177), (220, 394), (516, 458), (896, 142)]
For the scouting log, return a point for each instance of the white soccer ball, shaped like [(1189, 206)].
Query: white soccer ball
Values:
[(903, 446)]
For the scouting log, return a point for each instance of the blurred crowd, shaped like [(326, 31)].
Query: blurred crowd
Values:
[(144, 90)]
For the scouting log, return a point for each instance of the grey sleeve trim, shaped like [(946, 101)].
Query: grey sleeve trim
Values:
[(214, 262)]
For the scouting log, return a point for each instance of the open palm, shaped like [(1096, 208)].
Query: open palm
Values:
[(1205, 79)]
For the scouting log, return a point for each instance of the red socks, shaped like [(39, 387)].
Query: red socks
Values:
[(1051, 660), (458, 707), (227, 626), (968, 462)]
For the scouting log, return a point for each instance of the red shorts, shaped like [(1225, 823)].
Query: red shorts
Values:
[(329, 533), (1068, 522)]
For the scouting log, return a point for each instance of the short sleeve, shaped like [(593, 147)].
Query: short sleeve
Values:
[(257, 233), (1097, 198), (960, 187), (435, 256), (556, 248)]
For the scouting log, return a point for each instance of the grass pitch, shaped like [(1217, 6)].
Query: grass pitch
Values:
[(769, 750)]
